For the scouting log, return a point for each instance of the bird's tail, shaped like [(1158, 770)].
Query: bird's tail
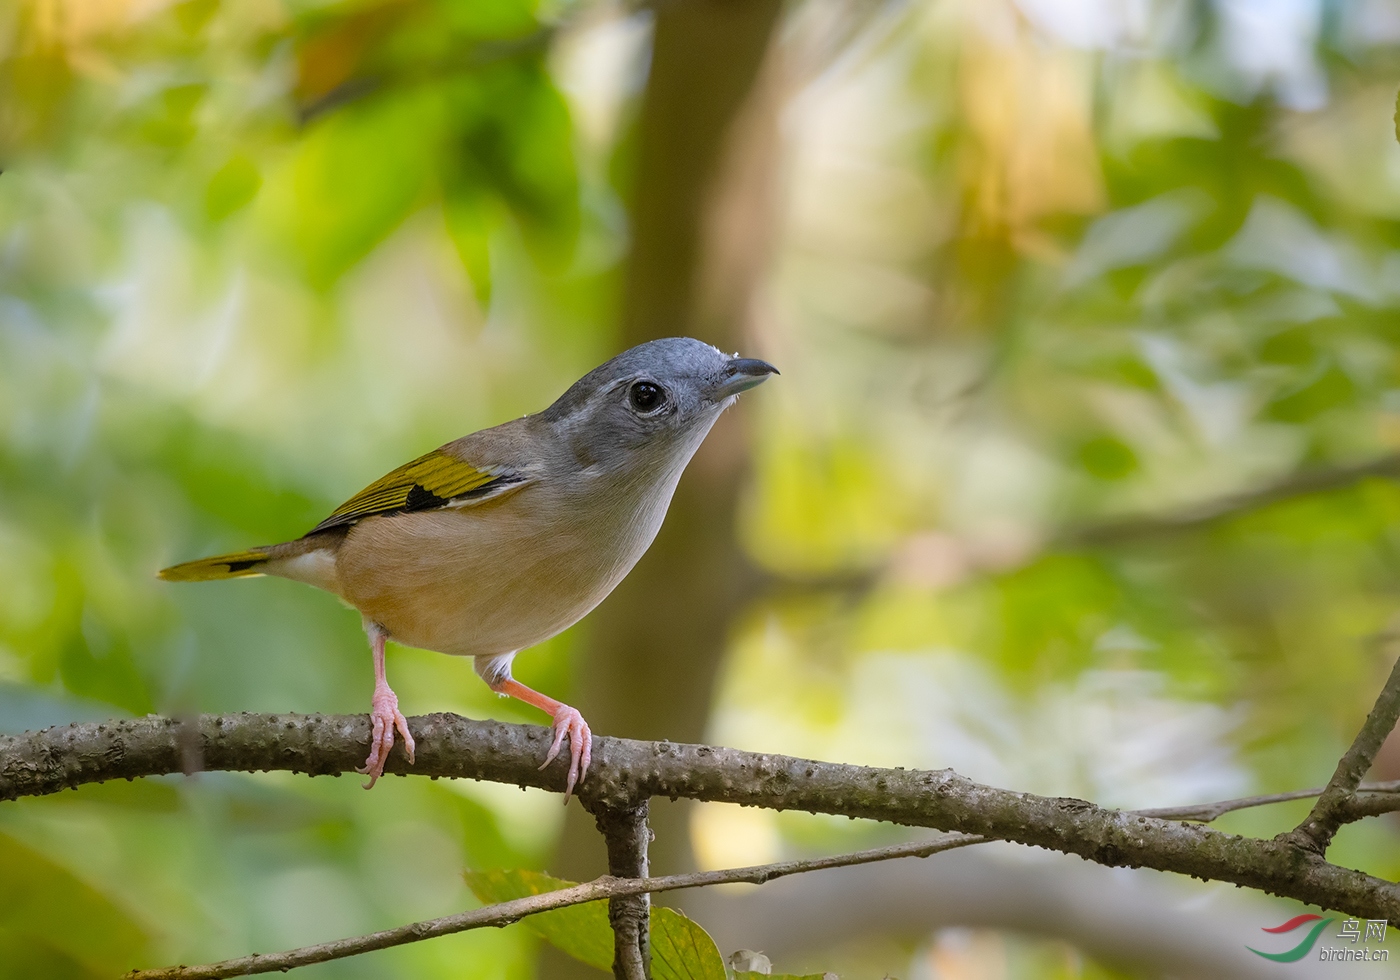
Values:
[(237, 565)]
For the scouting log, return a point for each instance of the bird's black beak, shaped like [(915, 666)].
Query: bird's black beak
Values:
[(741, 374)]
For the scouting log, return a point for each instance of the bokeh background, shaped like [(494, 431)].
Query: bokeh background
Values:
[(1070, 299)]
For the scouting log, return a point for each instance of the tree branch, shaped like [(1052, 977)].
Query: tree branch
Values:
[(1384, 799), (1333, 807), (1121, 530), (1145, 925), (625, 770), (627, 835), (505, 913), (1222, 508)]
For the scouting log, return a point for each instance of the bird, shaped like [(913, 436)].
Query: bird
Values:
[(501, 539)]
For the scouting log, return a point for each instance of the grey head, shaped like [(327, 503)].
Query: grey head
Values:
[(652, 405)]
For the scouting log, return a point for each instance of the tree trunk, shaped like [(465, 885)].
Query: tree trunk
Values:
[(700, 218)]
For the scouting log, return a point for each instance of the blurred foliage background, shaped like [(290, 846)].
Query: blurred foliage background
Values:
[(1032, 270)]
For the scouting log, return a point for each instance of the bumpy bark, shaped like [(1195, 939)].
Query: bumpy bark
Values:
[(626, 771), (627, 835)]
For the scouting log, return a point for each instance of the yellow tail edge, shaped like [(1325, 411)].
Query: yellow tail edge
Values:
[(240, 564)]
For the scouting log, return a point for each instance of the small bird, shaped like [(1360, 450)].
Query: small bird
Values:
[(508, 536)]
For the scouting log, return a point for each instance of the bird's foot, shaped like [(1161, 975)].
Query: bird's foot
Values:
[(385, 716), (569, 723)]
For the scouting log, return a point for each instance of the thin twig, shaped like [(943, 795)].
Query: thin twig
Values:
[(1127, 529), (1222, 508), (505, 913), (1331, 810), (1206, 812), (1383, 797), (1362, 806)]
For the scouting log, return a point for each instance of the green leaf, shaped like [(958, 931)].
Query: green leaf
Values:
[(680, 948), (169, 121), (232, 186), (512, 139), (1326, 388), (582, 931), (352, 181), (194, 15), (1108, 457), (96, 662), (51, 919), (468, 218)]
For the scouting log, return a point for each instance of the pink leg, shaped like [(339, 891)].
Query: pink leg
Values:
[(567, 721), (384, 714)]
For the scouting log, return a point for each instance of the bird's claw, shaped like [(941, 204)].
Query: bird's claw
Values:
[(568, 722), (384, 716)]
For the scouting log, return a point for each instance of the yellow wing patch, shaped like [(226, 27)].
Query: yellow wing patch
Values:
[(429, 481)]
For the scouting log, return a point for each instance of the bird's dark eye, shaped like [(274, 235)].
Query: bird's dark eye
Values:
[(646, 396)]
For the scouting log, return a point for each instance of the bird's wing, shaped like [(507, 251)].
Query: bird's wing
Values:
[(439, 479)]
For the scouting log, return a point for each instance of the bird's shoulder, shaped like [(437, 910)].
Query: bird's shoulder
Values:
[(467, 471)]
